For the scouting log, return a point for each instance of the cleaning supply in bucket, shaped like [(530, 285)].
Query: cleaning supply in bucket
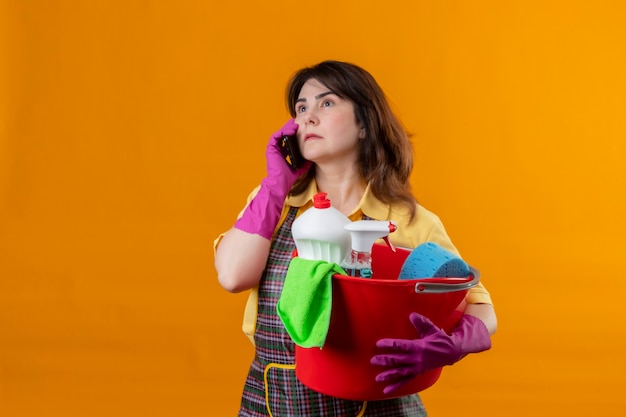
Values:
[(363, 234), (319, 232), (305, 304), (430, 260)]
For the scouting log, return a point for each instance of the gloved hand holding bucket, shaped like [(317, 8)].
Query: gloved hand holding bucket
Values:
[(432, 347)]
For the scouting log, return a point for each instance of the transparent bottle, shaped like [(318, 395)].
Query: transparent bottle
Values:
[(358, 263)]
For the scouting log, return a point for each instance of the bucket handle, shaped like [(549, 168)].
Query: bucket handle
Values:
[(441, 285)]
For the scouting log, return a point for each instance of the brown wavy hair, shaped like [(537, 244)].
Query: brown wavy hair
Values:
[(385, 154)]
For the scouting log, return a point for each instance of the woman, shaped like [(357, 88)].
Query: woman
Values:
[(360, 155)]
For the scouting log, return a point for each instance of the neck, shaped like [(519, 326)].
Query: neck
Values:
[(344, 188)]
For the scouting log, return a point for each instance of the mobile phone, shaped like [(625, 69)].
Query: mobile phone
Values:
[(291, 152)]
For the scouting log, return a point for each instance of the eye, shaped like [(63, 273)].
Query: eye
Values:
[(327, 103), (300, 109)]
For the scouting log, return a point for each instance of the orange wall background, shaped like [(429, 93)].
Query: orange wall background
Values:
[(131, 133)]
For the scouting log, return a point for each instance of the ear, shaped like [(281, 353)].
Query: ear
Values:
[(362, 133)]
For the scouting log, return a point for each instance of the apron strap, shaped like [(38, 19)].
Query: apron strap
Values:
[(292, 367)]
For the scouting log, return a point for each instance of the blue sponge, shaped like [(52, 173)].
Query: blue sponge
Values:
[(429, 260)]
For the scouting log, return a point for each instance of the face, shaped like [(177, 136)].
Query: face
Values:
[(328, 130)]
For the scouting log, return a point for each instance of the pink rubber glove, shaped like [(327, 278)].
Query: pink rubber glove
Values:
[(434, 349), (263, 213)]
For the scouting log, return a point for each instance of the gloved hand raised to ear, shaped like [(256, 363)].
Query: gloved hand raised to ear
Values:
[(262, 214), (435, 348)]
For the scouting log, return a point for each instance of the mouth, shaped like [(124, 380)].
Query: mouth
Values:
[(311, 136)]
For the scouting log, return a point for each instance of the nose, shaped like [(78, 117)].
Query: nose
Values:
[(310, 118)]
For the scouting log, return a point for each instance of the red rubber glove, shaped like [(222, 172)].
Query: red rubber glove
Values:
[(434, 349), (263, 213)]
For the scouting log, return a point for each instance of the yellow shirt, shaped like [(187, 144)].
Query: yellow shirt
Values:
[(425, 227)]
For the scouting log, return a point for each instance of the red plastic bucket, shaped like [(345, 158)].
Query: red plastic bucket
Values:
[(366, 310)]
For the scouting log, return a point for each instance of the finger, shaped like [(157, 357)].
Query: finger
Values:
[(392, 360), (290, 128), (423, 325), (398, 345), (393, 375), (395, 386)]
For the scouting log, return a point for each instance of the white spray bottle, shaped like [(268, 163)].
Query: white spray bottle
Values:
[(364, 233)]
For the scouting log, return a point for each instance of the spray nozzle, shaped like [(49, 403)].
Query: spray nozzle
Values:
[(365, 232), (392, 228)]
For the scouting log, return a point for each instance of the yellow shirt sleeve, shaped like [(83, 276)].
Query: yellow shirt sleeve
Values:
[(428, 227), (251, 309), (477, 294)]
